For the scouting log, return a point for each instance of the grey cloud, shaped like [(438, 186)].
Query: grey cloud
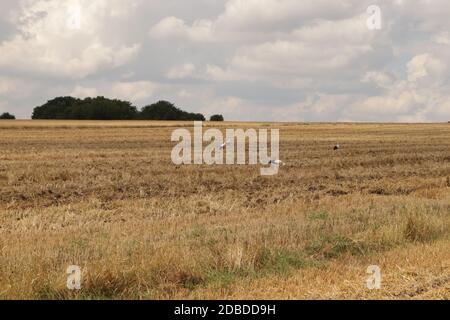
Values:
[(265, 60)]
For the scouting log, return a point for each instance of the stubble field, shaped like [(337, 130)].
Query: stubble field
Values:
[(105, 196)]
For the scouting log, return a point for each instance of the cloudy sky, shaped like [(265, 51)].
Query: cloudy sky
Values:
[(268, 60)]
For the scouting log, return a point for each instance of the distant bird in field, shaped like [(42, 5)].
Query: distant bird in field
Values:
[(225, 144), (277, 162), (336, 147)]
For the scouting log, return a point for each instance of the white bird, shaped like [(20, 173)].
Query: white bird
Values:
[(337, 147), (225, 144), (277, 162)]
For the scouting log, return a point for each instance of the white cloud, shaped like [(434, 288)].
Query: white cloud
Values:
[(244, 18), (442, 109), (185, 94), (398, 104), (55, 40), (232, 107), (286, 62), (172, 27), (219, 74), (83, 92), (292, 57), (317, 50), (13, 87), (2, 107), (380, 78), (181, 71), (249, 59), (249, 14), (425, 65), (442, 38), (422, 96), (7, 86), (134, 91)]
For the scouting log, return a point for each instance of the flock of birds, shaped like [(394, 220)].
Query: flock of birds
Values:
[(276, 162)]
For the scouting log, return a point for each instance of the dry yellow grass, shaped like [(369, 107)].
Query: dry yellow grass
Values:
[(105, 196)]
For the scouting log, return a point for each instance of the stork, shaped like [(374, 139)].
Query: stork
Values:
[(277, 162)]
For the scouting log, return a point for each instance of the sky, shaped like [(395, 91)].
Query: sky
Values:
[(250, 60)]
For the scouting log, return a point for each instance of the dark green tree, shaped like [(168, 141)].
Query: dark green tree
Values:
[(57, 108), (7, 116), (99, 108), (164, 110), (217, 118)]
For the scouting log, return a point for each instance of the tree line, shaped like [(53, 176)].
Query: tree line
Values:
[(101, 108)]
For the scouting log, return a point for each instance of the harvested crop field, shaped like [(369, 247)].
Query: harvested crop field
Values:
[(106, 196)]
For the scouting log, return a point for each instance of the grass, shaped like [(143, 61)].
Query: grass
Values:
[(106, 197)]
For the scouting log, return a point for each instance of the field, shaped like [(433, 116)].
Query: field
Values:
[(105, 196)]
